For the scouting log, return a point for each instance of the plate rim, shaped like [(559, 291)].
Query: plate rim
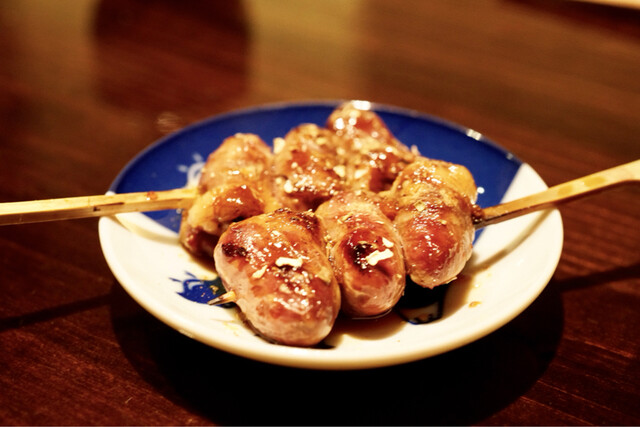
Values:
[(375, 106)]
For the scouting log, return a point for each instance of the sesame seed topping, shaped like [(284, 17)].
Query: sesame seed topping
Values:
[(288, 187), (388, 243), (259, 273), (359, 173), (340, 171), (293, 262), (376, 256), (278, 145)]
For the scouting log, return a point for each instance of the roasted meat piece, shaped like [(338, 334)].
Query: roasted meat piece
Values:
[(365, 252), (373, 156), (307, 169), (335, 219), (235, 183), (435, 201), (276, 265)]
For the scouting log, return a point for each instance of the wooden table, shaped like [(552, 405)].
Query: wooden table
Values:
[(84, 86)]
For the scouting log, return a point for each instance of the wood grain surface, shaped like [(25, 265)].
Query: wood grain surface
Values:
[(86, 85)]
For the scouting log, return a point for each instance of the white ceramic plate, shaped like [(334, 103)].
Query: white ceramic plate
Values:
[(512, 261)]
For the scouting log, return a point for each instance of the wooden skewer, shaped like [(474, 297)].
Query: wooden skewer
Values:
[(92, 206), (223, 299), (110, 204), (561, 193)]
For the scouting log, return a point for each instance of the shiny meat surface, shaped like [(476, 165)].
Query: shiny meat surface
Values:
[(435, 201), (277, 266), (365, 252), (307, 168), (373, 156), (235, 183), (240, 158), (333, 220)]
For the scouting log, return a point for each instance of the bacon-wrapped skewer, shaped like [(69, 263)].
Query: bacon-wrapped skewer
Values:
[(276, 267), (372, 155), (365, 252), (435, 201), (381, 212), (235, 183), (307, 169)]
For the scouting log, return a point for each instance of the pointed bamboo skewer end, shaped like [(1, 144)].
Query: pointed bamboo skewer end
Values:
[(223, 299)]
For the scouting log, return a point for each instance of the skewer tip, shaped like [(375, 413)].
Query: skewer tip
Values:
[(223, 299)]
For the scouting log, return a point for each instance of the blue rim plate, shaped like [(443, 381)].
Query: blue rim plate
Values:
[(512, 261)]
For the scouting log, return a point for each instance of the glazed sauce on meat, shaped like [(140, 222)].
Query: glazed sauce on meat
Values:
[(276, 265), (335, 218)]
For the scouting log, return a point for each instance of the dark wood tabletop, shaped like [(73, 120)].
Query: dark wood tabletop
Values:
[(85, 86)]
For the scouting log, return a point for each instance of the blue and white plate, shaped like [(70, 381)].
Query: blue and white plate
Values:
[(511, 264)]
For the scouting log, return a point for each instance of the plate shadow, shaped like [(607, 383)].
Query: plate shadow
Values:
[(461, 387)]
